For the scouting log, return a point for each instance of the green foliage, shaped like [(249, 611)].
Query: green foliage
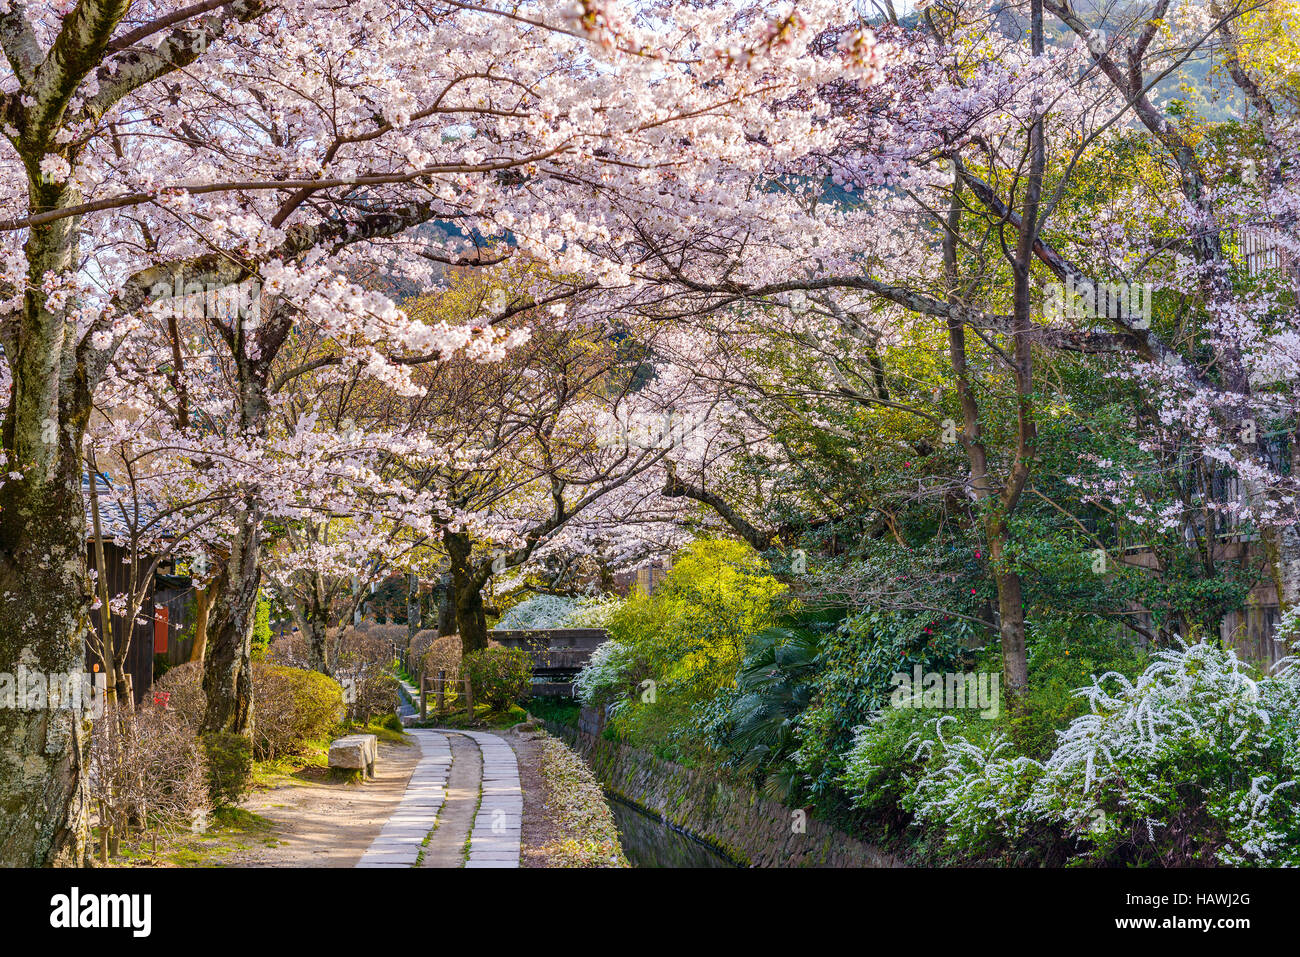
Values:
[(756, 722), (859, 660), (1190, 764), (230, 767), (293, 708), (557, 710), (500, 677), (691, 633), (261, 637), (679, 647), (1065, 654)]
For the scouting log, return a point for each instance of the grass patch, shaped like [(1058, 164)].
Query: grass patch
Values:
[(484, 717), (563, 711), (228, 830)]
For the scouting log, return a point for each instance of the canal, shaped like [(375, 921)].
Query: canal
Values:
[(651, 842)]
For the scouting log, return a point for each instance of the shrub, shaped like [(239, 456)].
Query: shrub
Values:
[(184, 689), (859, 660), (499, 676), (606, 676), (363, 665), (443, 654), (230, 767), (593, 612), (691, 632), (147, 771), (289, 650), (418, 647), (540, 611), (1192, 763), (291, 706)]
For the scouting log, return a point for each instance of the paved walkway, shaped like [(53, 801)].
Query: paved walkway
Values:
[(402, 838), (446, 846), (494, 842), (448, 783)]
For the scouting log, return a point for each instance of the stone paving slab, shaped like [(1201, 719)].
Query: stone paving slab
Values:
[(398, 843), (496, 829), (501, 804)]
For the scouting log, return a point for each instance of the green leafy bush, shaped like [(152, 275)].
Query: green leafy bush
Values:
[(500, 677), (292, 707), (1192, 763), (691, 633), (681, 646), (858, 662)]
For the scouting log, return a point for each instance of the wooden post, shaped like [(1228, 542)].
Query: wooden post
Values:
[(442, 692), (424, 709), (469, 701)]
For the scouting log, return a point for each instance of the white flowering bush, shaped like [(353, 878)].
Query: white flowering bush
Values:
[(593, 612), (552, 611), (540, 611), (1196, 761), (605, 678)]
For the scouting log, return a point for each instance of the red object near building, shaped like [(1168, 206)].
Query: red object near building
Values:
[(160, 629)]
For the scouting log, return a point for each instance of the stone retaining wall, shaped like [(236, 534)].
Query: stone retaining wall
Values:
[(745, 827)]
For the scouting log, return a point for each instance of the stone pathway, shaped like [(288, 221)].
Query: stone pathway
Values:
[(494, 842), (402, 838), (447, 783), (409, 708), (446, 846)]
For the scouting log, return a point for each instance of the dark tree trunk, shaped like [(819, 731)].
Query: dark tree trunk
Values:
[(467, 592), (227, 668), (315, 621), (412, 607), (446, 608), (471, 619)]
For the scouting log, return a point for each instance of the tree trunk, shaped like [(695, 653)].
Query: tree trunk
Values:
[(471, 619), (315, 622), (227, 668), (446, 608), (203, 598), (44, 620), (1011, 628), (467, 592), (412, 607)]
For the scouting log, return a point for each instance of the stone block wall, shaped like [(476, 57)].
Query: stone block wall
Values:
[(747, 828)]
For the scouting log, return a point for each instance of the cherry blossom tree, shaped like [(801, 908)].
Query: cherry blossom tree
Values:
[(158, 150)]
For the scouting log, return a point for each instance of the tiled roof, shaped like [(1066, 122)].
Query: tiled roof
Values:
[(115, 519)]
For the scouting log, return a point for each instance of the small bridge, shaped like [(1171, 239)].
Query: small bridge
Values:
[(558, 655)]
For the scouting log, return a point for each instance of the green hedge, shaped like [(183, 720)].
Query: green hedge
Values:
[(500, 677)]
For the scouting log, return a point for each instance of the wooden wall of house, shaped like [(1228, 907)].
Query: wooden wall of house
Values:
[(140, 652), (1248, 630)]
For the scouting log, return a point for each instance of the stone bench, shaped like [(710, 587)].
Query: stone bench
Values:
[(356, 752)]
